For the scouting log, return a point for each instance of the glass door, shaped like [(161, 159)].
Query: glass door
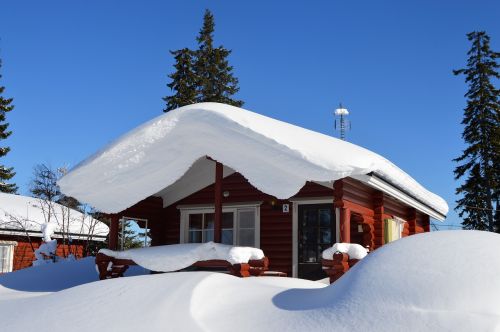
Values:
[(316, 233)]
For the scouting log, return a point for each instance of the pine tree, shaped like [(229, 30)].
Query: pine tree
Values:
[(216, 82), (479, 162), (6, 173), (183, 81)]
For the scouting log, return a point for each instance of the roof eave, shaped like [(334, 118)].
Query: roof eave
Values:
[(379, 183)]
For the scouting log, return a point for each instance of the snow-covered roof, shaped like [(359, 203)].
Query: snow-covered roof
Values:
[(22, 213), (276, 157)]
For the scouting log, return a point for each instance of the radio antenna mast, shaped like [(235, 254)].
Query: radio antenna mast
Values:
[(341, 122)]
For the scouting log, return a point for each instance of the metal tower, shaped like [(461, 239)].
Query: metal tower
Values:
[(341, 122)]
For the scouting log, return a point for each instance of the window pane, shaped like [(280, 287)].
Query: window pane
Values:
[(209, 235), (326, 235), (195, 237), (227, 236), (195, 221), (310, 218), (247, 237), (325, 217), (227, 220), (209, 221), (247, 219)]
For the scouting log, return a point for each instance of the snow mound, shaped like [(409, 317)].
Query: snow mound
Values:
[(54, 277), (443, 281), (152, 157), (179, 256), (354, 250)]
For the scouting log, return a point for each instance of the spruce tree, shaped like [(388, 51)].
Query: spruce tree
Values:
[(6, 173), (183, 81), (216, 82), (203, 75), (479, 162)]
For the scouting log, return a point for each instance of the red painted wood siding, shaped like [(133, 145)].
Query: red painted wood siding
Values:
[(24, 255), (368, 208)]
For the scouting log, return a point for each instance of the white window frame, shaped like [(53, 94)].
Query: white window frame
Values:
[(186, 210), (9, 266), (121, 227), (295, 226)]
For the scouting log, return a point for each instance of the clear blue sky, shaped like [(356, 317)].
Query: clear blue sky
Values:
[(84, 72)]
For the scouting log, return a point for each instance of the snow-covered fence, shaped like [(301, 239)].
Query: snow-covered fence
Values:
[(338, 259)]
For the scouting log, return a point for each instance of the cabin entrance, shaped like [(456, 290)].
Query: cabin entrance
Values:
[(316, 232)]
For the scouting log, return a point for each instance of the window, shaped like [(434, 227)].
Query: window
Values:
[(6, 256), (201, 227), (239, 226), (393, 229), (134, 233), (246, 230)]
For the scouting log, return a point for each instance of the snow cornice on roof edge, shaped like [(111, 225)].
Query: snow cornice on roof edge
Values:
[(276, 157)]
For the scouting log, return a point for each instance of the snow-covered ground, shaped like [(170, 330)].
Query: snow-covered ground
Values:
[(442, 281)]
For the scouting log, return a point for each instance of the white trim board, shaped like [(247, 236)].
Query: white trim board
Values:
[(380, 184), (185, 210)]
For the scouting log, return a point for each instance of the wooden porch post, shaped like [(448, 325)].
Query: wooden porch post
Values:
[(345, 212), (345, 225), (218, 202), (113, 232)]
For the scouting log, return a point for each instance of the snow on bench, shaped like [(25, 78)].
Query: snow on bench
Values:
[(338, 259), (240, 261)]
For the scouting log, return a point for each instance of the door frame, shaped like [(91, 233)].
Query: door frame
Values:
[(295, 226)]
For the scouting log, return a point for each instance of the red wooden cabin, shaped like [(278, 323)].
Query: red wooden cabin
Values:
[(21, 218), (214, 201)]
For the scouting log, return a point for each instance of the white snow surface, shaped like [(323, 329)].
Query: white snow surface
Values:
[(354, 250), (179, 256), (442, 281), (276, 157), (27, 213)]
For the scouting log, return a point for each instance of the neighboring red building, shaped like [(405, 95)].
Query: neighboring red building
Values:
[(203, 188), (21, 218)]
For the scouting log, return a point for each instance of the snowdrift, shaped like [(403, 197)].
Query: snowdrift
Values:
[(152, 157), (443, 281)]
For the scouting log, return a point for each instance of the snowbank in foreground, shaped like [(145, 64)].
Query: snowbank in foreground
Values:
[(54, 277), (443, 281), (179, 256)]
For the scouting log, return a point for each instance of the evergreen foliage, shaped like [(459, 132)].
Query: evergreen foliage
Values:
[(183, 81), (6, 173), (216, 82), (479, 162), (203, 75)]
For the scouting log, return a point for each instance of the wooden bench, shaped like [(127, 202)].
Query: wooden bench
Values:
[(110, 267)]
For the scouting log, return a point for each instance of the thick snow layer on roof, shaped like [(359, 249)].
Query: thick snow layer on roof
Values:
[(276, 157), (179, 256), (31, 214), (354, 250), (441, 281)]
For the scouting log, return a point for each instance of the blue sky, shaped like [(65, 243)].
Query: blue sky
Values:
[(84, 72)]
